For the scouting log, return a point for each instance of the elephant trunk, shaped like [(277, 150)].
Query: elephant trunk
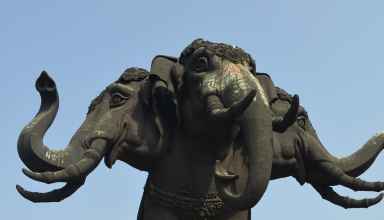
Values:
[(358, 162), (34, 154), (256, 131)]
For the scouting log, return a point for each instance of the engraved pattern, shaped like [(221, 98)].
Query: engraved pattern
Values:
[(209, 206)]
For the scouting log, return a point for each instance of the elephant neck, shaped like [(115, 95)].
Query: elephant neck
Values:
[(187, 167)]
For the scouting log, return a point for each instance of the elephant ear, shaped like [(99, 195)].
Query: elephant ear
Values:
[(163, 104), (159, 95), (267, 84), (162, 66), (160, 110), (169, 69)]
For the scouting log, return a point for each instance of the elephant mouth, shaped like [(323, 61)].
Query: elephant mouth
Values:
[(120, 148), (111, 157)]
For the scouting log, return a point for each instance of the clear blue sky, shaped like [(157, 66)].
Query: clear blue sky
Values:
[(329, 52)]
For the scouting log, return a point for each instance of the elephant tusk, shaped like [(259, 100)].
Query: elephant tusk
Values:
[(55, 195), (223, 174), (217, 111), (281, 124), (330, 195), (74, 172), (341, 178)]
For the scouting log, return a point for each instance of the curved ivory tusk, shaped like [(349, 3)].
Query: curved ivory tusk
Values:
[(74, 172), (55, 195), (223, 174), (330, 195), (341, 178), (217, 111), (281, 124)]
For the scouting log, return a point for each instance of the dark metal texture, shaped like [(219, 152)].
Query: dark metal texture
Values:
[(210, 131)]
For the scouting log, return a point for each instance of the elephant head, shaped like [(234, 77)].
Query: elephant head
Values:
[(131, 120), (221, 100), (300, 153)]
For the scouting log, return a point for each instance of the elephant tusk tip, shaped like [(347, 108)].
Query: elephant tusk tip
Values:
[(226, 176), (26, 194), (26, 172), (376, 200), (223, 175), (19, 188), (109, 161), (108, 164)]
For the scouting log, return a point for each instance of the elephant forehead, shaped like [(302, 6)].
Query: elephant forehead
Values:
[(240, 74), (231, 69), (121, 87)]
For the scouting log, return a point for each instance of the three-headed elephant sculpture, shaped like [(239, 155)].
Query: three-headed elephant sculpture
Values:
[(210, 131)]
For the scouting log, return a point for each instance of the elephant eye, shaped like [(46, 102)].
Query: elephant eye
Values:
[(200, 64), (118, 99), (301, 121)]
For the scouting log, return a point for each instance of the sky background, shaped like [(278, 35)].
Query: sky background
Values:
[(329, 52)]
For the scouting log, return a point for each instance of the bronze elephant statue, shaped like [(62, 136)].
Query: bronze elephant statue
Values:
[(210, 131), (124, 122), (298, 152), (215, 84), (132, 120)]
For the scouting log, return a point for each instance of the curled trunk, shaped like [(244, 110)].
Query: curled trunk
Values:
[(256, 133), (34, 154)]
